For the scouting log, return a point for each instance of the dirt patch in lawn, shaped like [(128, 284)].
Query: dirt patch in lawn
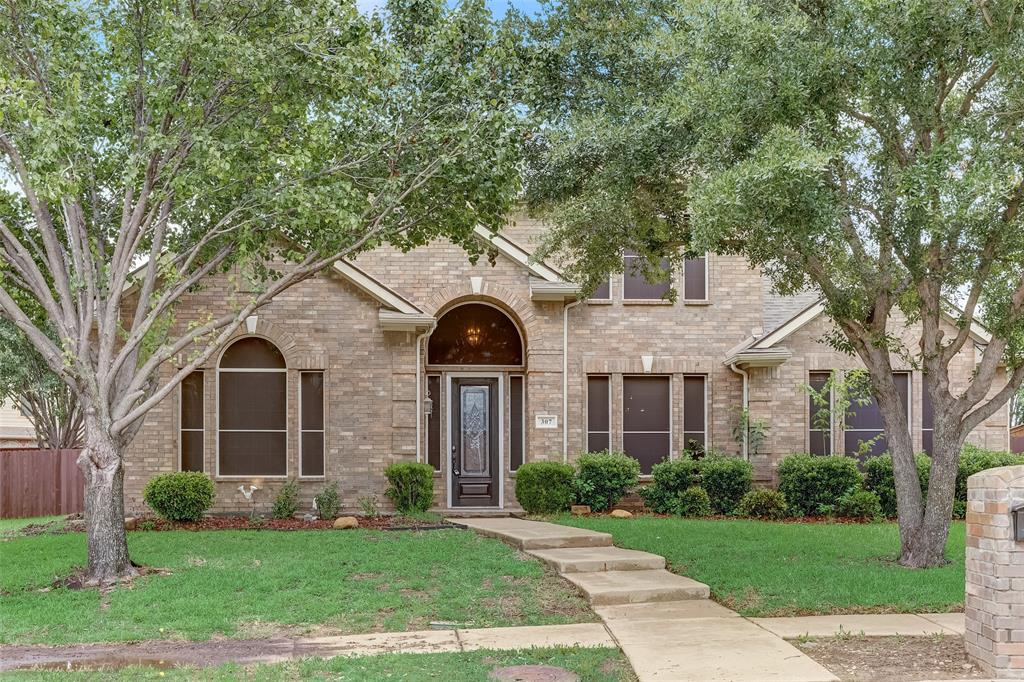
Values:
[(893, 659)]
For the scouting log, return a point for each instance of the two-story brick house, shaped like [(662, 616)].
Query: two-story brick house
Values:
[(478, 368)]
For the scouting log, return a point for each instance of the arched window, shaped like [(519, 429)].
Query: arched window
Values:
[(475, 334), (252, 410)]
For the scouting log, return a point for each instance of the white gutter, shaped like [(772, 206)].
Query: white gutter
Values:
[(565, 379), (746, 405), (419, 390)]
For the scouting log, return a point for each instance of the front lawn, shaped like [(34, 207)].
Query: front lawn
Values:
[(591, 665), (254, 584), (787, 569)]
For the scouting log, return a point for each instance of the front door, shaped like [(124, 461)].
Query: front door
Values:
[(475, 462)]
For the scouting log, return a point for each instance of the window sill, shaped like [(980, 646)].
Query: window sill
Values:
[(312, 478), (697, 303), (599, 301), (646, 301), (250, 477)]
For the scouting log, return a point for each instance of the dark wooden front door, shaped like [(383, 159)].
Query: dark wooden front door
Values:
[(475, 464)]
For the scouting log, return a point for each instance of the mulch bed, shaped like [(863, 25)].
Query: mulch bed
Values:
[(723, 517), (245, 523), (893, 659)]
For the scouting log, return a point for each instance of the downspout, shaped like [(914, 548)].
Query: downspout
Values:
[(565, 379), (746, 401), (419, 390)]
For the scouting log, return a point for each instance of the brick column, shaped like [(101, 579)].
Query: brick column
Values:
[(995, 573)]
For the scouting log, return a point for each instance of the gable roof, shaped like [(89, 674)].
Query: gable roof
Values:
[(816, 309), (517, 253)]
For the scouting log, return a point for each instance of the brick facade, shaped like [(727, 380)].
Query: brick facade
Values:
[(329, 323)]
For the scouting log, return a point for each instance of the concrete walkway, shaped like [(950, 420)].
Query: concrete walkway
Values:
[(880, 625), (160, 654), (666, 624)]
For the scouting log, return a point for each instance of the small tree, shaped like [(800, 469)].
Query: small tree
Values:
[(869, 151), (27, 382), (146, 146)]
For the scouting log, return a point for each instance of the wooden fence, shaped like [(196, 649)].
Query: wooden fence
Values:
[(40, 483)]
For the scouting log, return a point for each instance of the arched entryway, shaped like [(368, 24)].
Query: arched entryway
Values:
[(477, 354)]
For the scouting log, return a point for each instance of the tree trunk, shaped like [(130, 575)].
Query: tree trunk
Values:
[(102, 465), (924, 544)]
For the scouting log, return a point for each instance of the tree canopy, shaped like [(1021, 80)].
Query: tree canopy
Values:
[(871, 151)]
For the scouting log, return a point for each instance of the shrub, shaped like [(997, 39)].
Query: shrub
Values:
[(179, 496), (974, 459), (859, 504), (287, 501), (878, 478), (959, 510), (544, 487), (328, 503), (812, 484), (369, 506), (410, 486), (763, 503), (670, 478), (602, 478), (727, 480), (693, 501)]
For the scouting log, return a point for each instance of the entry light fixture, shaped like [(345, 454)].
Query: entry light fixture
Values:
[(1018, 523)]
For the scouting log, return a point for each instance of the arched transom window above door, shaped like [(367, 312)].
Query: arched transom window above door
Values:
[(475, 334), (252, 410)]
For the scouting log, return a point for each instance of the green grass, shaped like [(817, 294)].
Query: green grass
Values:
[(264, 583), (8, 526), (591, 665), (785, 569)]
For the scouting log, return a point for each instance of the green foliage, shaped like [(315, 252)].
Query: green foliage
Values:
[(879, 478), (602, 478), (286, 503), (328, 502), (753, 432), (544, 487), (812, 484), (959, 510), (858, 504), (763, 503), (180, 495), (694, 501), (671, 477), (410, 486), (726, 479), (368, 506), (974, 459)]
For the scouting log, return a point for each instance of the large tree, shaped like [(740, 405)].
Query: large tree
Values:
[(872, 151), (147, 145)]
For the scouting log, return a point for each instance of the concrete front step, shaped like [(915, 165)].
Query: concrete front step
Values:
[(534, 534), (608, 588), (591, 559)]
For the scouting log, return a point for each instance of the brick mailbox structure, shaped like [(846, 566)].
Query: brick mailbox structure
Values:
[(995, 573)]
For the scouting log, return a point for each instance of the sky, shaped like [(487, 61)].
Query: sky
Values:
[(498, 7)]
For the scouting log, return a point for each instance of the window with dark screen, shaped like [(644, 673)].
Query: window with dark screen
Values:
[(598, 413), (819, 415), (695, 414), (927, 420), (865, 423), (311, 426), (516, 420), (252, 400), (646, 419), (434, 421), (636, 286), (192, 422), (695, 279)]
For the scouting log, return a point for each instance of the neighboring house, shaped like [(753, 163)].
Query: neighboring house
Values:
[(15, 430), (421, 355)]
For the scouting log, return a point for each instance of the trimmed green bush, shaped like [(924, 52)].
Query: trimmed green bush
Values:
[(959, 510), (763, 503), (179, 496), (974, 459), (878, 478), (726, 480), (693, 501), (670, 478), (602, 478), (544, 487), (287, 501), (859, 504), (328, 502), (812, 484), (410, 486)]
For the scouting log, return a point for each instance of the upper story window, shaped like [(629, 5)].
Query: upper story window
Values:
[(252, 400), (695, 279), (603, 292), (636, 286)]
